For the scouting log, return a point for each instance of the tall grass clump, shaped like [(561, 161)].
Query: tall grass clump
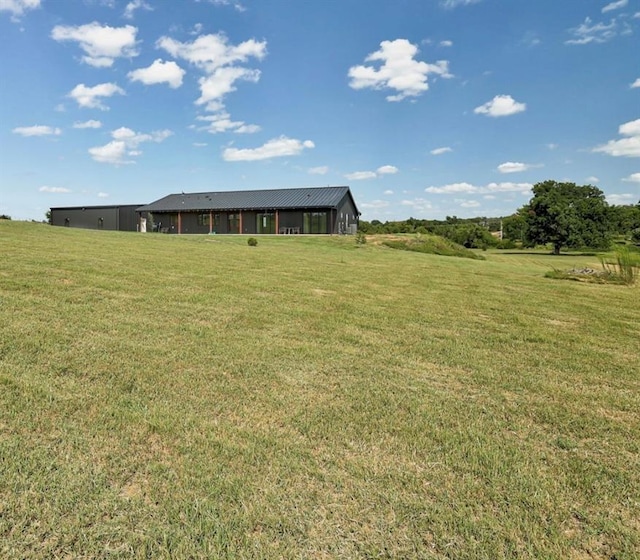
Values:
[(623, 267)]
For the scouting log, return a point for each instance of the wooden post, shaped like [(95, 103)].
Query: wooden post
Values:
[(210, 221), (240, 222), (179, 222), (277, 222)]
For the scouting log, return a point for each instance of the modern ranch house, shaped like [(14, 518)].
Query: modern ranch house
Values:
[(319, 210)]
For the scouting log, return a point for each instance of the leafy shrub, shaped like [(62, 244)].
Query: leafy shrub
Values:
[(361, 238), (506, 244), (252, 242)]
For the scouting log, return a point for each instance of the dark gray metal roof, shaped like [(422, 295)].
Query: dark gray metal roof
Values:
[(307, 197)]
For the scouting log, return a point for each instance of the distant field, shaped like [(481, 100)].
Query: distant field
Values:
[(193, 397)]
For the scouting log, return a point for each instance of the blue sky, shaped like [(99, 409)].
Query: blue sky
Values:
[(425, 108)]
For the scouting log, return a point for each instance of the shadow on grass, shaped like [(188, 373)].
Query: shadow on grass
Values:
[(590, 254)]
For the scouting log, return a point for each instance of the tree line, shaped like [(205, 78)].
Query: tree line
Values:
[(561, 214)]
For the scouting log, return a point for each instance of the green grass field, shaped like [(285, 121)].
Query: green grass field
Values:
[(193, 397)]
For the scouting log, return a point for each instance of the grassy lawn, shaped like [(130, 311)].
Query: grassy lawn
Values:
[(193, 397)]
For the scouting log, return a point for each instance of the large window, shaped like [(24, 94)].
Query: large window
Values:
[(266, 223), (233, 221), (203, 219), (315, 222)]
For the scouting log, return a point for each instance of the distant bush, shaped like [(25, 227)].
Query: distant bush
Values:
[(506, 244), (361, 238), (434, 245), (252, 242), (4, 217)]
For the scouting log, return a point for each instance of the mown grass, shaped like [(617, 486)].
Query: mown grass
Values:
[(194, 397)]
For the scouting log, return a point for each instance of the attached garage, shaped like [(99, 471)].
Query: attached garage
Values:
[(115, 218)]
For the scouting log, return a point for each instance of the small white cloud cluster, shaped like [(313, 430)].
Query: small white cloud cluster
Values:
[(221, 122), (625, 147), (90, 97), (102, 44), (468, 188), (277, 147), (133, 6), (220, 61), (362, 175), (398, 71), (500, 106), (159, 72), (37, 130), (440, 151), (17, 8), (54, 190), (125, 145), (514, 167), (615, 6)]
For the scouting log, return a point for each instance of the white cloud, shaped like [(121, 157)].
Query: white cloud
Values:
[(500, 106), (588, 32), (446, 43), (398, 71), (103, 195), (464, 203), (135, 5), (159, 72), (636, 84), (456, 3), (237, 5), (468, 188), (387, 170), (360, 175), (221, 122), (375, 204), (277, 147), (440, 151), (418, 204), (17, 8), (625, 147), (633, 178), (215, 86), (615, 6), (114, 152), (54, 190), (453, 188), (102, 44), (90, 96), (124, 145), (621, 199), (37, 130), (514, 167), (87, 124), (322, 170), (552, 146), (210, 52), (592, 179), (363, 175), (388, 192), (219, 60), (631, 128)]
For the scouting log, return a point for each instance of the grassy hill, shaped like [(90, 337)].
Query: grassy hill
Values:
[(193, 397)]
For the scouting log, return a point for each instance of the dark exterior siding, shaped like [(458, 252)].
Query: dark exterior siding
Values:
[(114, 218)]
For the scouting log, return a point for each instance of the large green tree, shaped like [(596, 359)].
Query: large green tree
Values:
[(567, 215)]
